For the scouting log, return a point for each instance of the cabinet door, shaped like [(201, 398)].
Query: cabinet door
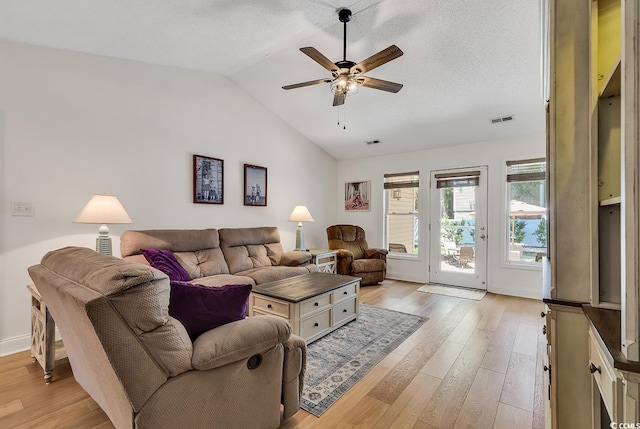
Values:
[(570, 378)]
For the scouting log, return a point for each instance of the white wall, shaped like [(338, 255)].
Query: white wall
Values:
[(76, 124), (501, 278)]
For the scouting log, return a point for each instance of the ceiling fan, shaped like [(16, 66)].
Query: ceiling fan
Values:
[(347, 76)]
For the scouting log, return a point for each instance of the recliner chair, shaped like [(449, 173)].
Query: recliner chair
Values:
[(139, 364), (355, 258)]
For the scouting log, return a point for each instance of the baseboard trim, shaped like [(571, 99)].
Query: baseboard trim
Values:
[(519, 292), (404, 277), (13, 345)]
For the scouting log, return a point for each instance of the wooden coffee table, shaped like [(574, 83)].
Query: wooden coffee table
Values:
[(314, 304)]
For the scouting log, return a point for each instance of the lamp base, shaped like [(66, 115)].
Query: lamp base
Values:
[(103, 242), (300, 238), (103, 245)]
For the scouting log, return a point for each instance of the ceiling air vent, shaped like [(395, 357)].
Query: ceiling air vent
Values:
[(502, 119), (373, 142)]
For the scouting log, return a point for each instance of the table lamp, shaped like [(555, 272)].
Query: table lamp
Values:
[(300, 214), (103, 209)]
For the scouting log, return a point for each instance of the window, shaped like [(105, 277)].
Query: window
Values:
[(526, 212), (401, 218)]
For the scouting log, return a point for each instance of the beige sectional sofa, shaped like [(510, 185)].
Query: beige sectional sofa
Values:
[(216, 257)]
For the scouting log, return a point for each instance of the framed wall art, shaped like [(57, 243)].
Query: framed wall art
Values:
[(356, 196), (255, 185), (208, 180)]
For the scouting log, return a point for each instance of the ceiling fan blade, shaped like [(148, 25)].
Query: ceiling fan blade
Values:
[(309, 83), (338, 99), (384, 85), (316, 56), (376, 60)]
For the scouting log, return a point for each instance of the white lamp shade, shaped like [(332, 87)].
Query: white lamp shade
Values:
[(103, 209), (300, 214)]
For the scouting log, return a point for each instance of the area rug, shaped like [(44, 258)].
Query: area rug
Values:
[(459, 292), (338, 360)]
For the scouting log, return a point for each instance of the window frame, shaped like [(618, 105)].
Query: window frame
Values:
[(389, 186), (516, 177)]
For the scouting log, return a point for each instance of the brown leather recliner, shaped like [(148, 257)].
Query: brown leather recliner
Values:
[(355, 258)]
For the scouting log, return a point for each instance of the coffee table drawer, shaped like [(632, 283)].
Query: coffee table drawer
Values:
[(314, 304), (344, 310), (344, 292), (271, 306), (316, 324)]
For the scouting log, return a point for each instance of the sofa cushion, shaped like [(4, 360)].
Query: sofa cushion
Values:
[(164, 261), (246, 248), (224, 279), (367, 266), (201, 308), (263, 275), (197, 250)]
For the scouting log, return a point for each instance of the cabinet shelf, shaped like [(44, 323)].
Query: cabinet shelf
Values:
[(611, 201), (612, 84)]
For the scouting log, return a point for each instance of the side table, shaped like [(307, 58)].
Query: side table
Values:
[(43, 336), (325, 259)]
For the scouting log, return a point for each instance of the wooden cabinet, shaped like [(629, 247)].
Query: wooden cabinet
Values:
[(606, 31), (593, 153)]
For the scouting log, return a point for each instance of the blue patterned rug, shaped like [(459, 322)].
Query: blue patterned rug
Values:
[(340, 359)]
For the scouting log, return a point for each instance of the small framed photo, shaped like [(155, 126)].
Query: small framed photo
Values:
[(208, 180), (356, 196), (255, 185)]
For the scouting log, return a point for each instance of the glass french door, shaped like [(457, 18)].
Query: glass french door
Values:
[(458, 239)]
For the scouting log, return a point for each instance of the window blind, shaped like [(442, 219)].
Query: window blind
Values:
[(526, 170), (402, 180), (457, 180)]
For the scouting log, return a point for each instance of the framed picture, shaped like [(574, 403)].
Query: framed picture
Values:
[(356, 196), (208, 180), (255, 185)]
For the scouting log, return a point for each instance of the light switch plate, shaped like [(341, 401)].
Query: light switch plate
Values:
[(21, 208)]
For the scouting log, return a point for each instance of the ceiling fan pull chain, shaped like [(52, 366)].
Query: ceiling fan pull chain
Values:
[(344, 117)]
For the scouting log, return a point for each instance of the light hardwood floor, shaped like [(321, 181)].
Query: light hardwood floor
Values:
[(473, 364)]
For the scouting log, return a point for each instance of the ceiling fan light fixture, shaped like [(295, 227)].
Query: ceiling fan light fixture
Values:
[(345, 84), (347, 76)]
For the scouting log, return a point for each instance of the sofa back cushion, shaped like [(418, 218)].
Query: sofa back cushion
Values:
[(196, 250), (349, 237), (246, 248)]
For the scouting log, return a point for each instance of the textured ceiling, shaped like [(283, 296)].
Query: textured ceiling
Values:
[(464, 62)]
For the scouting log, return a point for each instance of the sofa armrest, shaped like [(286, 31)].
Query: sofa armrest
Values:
[(345, 258), (238, 340), (376, 254), (295, 364), (295, 258), (345, 254)]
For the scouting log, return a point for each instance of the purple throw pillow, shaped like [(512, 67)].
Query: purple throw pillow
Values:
[(201, 308), (165, 261)]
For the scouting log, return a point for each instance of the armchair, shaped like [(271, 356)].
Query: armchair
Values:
[(355, 258), (139, 364)]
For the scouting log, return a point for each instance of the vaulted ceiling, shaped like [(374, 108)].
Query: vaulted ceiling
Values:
[(464, 62)]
